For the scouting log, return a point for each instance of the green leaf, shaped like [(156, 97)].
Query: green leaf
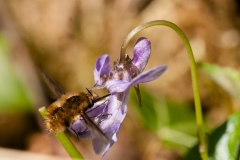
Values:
[(227, 78), (223, 142)]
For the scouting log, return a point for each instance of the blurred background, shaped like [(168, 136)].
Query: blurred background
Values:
[(65, 38)]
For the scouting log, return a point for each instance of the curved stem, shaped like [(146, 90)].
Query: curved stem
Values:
[(65, 141), (199, 119)]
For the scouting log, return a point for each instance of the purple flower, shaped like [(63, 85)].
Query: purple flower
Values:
[(118, 80)]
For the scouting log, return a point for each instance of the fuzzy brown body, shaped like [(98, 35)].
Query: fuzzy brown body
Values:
[(70, 107), (66, 110)]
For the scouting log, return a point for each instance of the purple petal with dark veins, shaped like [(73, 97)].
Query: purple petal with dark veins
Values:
[(109, 118), (115, 86), (102, 69), (115, 111), (79, 128), (141, 53), (95, 113), (97, 109)]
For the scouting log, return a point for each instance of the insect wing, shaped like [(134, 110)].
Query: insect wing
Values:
[(54, 87), (100, 139)]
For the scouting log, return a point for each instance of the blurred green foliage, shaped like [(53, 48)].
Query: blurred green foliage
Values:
[(14, 96), (173, 123), (223, 142), (227, 78)]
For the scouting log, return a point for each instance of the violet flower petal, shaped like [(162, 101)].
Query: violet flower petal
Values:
[(80, 129), (95, 113), (97, 109), (116, 111), (114, 139), (115, 86), (112, 118), (102, 148), (141, 53), (102, 69)]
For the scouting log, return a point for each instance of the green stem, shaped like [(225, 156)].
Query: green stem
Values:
[(202, 139), (65, 141)]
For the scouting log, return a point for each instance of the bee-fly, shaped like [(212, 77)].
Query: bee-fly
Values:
[(70, 107)]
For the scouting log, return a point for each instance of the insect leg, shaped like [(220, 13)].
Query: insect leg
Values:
[(100, 98)]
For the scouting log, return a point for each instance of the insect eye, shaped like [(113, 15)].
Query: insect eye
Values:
[(67, 124)]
